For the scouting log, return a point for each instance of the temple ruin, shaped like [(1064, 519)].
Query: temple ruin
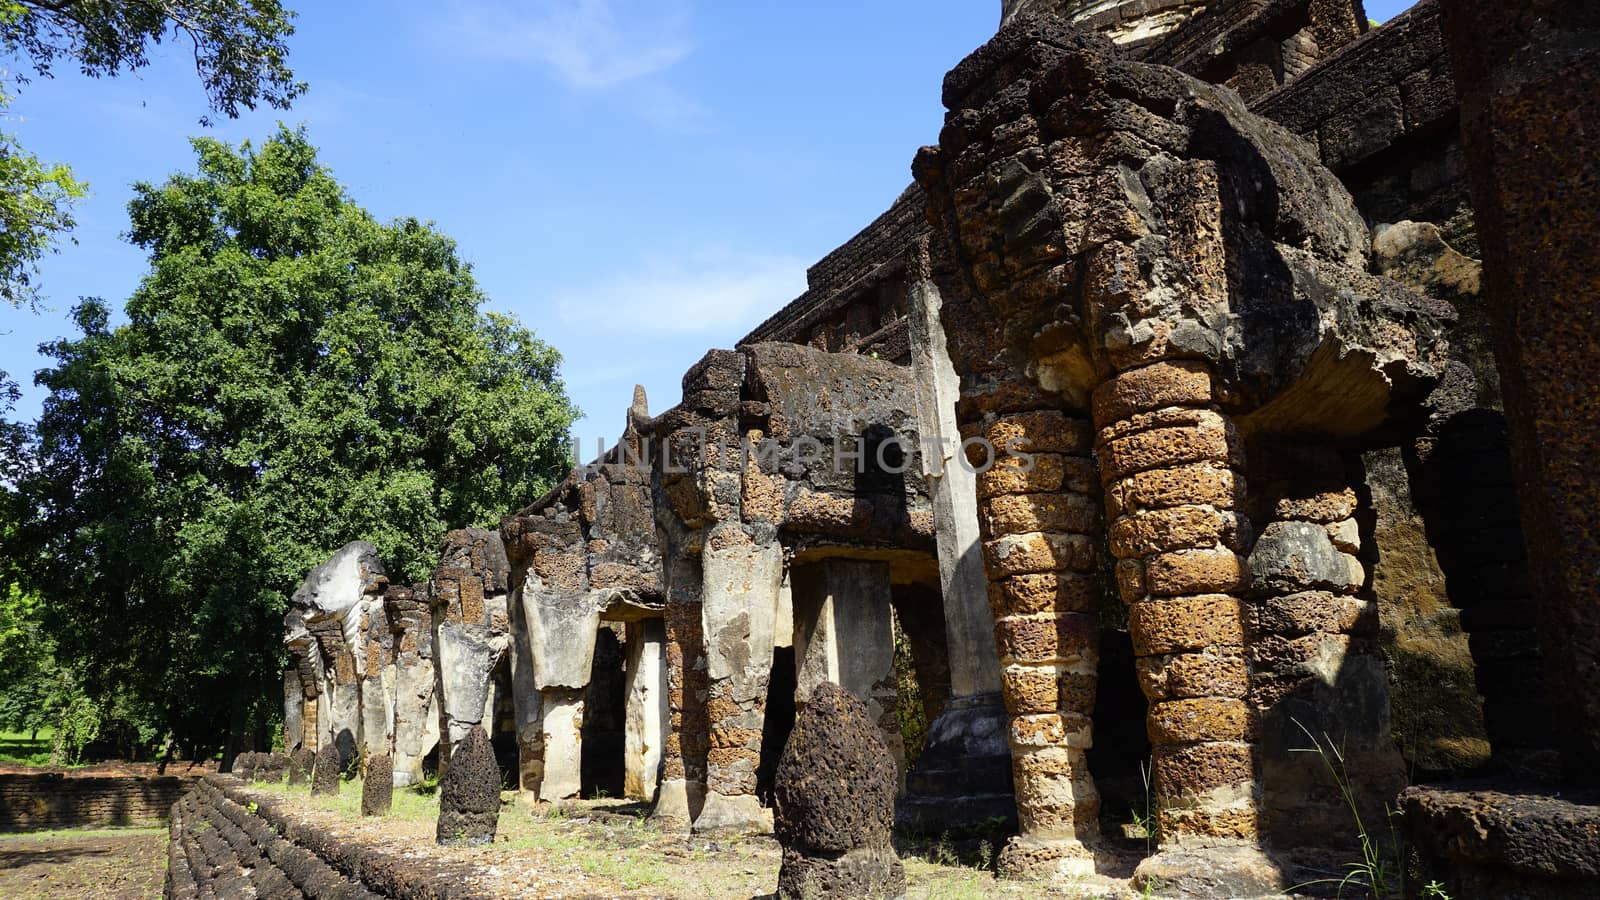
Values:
[(1158, 420)]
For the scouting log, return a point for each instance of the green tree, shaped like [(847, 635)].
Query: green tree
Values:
[(294, 375), (240, 56), (35, 206)]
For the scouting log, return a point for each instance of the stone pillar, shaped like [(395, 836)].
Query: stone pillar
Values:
[(1528, 76), (561, 729), (963, 776), (294, 705), (844, 634), (377, 679), (974, 666), (416, 704), (1172, 470), (466, 594), (683, 754), (527, 701), (339, 701), (647, 708), (739, 602), (1315, 665), (1039, 520), (561, 634)]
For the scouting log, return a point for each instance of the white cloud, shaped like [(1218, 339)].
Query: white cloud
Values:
[(703, 293), (588, 44)]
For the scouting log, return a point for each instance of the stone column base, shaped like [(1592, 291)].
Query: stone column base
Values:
[(1237, 872), (740, 814), (869, 873), (677, 801), (1036, 858), (963, 778)]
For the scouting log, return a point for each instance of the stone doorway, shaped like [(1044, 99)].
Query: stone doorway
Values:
[(602, 761)]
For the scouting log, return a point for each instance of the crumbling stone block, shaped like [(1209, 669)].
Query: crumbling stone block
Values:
[(377, 790), (301, 763), (834, 799), (325, 771), (469, 793), (271, 767)]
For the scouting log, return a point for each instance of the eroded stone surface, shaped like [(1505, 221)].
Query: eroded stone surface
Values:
[(1495, 840), (469, 793), (326, 771), (301, 762), (834, 798), (377, 787)]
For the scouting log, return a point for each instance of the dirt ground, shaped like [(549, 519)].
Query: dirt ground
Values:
[(109, 864)]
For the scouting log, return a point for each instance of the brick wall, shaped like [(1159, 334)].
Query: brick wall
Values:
[(54, 800)]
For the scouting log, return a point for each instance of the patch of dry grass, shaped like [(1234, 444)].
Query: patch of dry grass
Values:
[(609, 848)]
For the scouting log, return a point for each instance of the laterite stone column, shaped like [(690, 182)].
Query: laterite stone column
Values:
[(1038, 518), (1171, 464), (1314, 661), (739, 601), (683, 751)]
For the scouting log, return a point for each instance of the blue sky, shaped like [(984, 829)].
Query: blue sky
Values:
[(637, 180)]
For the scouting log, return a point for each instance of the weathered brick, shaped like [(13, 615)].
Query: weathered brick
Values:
[(1041, 431), (1022, 554), (1204, 483), (1179, 528), (1195, 572), (1216, 673), (1068, 636), (1175, 383), (1166, 447), (1043, 592), (1177, 624), (1037, 473), (1198, 719), (1016, 513), (1194, 770)]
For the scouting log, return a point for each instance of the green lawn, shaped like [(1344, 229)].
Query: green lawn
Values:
[(26, 749)]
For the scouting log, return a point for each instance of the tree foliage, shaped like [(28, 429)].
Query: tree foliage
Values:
[(240, 56), (294, 375), (36, 201), (240, 49)]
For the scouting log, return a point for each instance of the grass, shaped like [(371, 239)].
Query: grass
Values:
[(1382, 871), (597, 846), (611, 842), (24, 748)]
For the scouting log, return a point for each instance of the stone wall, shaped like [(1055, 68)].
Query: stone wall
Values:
[(1382, 115), (1255, 46), (1450, 572), (1130, 23), (855, 297), (64, 800), (231, 842)]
